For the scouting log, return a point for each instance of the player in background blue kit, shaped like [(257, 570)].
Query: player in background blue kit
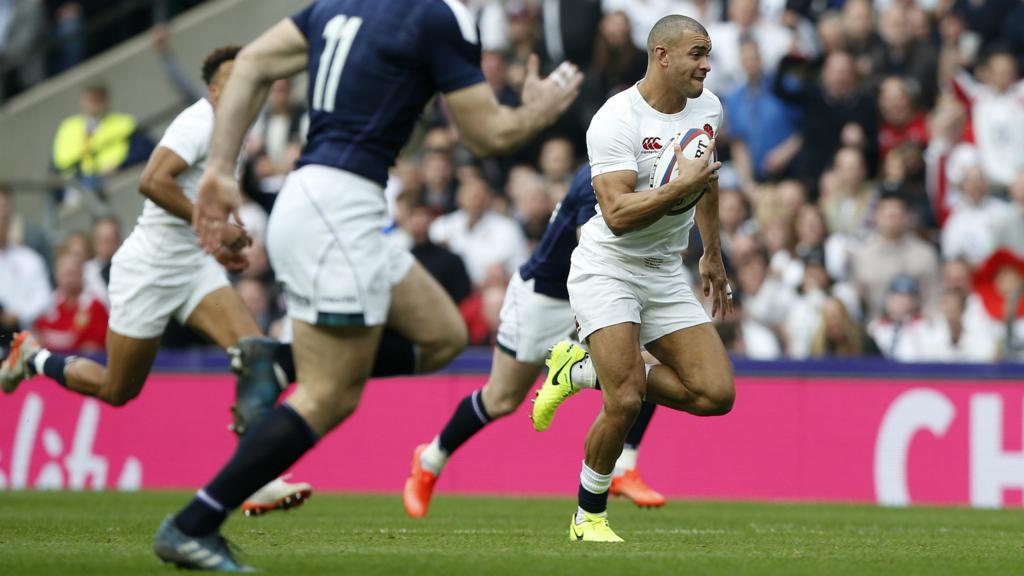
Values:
[(373, 65), (535, 316)]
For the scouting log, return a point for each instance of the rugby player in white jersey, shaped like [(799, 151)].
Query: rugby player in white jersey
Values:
[(626, 283), (161, 273)]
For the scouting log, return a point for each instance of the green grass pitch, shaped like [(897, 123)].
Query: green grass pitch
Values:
[(111, 533)]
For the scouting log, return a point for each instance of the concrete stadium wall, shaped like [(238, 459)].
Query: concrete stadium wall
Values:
[(135, 77)]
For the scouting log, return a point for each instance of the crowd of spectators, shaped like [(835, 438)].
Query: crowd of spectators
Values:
[(39, 38), (872, 196)]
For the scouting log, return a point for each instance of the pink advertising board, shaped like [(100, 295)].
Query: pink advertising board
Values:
[(789, 438)]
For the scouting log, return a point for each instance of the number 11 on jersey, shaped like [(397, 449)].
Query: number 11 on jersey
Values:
[(339, 34)]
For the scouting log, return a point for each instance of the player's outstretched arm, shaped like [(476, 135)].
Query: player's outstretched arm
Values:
[(488, 128), (280, 52), (625, 210), (714, 281)]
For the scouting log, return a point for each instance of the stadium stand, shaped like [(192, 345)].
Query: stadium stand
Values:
[(870, 149)]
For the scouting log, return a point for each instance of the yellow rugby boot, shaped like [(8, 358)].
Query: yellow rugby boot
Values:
[(594, 528), (558, 385)]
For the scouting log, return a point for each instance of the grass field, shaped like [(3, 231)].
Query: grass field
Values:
[(110, 533)]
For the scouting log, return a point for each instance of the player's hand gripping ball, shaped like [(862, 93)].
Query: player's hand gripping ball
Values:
[(695, 145)]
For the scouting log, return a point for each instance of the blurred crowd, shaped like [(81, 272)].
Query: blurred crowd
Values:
[(40, 38), (871, 200)]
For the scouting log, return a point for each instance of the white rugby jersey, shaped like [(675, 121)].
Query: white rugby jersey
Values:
[(628, 134), (166, 237)]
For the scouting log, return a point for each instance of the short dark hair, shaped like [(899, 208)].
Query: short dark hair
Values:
[(219, 56), (97, 88), (671, 27)]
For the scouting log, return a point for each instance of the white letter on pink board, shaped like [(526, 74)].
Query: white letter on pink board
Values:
[(992, 469), (912, 411)]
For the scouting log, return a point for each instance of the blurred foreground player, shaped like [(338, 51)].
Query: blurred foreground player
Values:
[(159, 272), (372, 67), (535, 316)]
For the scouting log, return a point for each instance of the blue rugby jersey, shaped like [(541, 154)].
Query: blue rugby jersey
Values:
[(548, 266), (373, 66)]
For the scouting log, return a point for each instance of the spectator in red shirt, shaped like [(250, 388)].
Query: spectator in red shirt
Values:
[(901, 122), (78, 320)]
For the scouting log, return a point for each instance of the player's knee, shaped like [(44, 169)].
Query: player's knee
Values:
[(502, 404), (333, 404), (720, 398), (454, 342), (117, 397), (445, 346), (623, 405)]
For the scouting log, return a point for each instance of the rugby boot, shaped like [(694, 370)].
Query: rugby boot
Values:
[(632, 486), (419, 487), (594, 528), (15, 369), (558, 385)]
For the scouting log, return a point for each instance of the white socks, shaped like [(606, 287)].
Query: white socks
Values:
[(433, 458), (583, 374), (39, 360), (594, 483), (626, 461), (580, 512)]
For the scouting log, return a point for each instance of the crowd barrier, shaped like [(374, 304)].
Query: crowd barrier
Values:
[(856, 431)]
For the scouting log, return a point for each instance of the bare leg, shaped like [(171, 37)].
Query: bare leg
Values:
[(129, 361), (333, 366), (223, 317), (509, 382), (615, 351), (695, 376), (422, 312)]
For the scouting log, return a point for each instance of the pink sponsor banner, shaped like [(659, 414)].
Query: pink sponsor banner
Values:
[(788, 438)]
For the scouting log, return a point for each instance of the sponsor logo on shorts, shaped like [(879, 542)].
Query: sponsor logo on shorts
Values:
[(296, 299), (339, 300)]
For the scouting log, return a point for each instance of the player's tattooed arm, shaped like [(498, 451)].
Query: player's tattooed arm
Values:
[(625, 210), (488, 128)]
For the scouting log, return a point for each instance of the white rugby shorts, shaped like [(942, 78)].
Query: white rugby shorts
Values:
[(326, 245), (531, 323), (651, 292), (146, 291)]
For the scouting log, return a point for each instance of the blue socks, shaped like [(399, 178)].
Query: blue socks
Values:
[(469, 418), (264, 453)]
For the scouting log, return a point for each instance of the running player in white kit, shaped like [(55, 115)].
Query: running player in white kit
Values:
[(160, 272), (626, 283)]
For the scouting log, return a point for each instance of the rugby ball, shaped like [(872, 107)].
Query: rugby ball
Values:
[(695, 144)]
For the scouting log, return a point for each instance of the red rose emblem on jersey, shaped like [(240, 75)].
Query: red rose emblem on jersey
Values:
[(709, 130)]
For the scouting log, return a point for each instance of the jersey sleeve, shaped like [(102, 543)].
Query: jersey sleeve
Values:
[(451, 46), (586, 211), (188, 136), (611, 143), (581, 197), (303, 18)]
